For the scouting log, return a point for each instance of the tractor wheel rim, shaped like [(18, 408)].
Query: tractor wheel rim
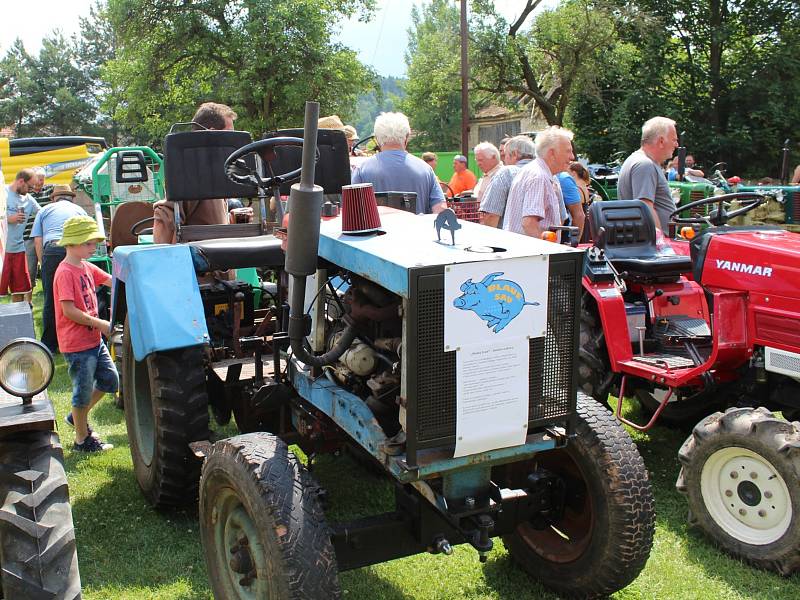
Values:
[(577, 523), (144, 421), (241, 556), (746, 496)]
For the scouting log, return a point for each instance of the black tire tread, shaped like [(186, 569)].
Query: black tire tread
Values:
[(759, 430), (594, 370), (37, 539), (621, 552), (290, 499), (180, 416)]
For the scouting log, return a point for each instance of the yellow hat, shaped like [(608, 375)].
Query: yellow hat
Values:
[(78, 230)]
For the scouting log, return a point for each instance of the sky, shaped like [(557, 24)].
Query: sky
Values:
[(380, 43)]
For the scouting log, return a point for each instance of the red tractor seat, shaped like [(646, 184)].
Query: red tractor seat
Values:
[(630, 241)]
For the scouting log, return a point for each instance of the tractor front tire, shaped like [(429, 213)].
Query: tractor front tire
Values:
[(166, 408), (37, 538), (594, 369), (741, 476), (608, 520), (261, 523)]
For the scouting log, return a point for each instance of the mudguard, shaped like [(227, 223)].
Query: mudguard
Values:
[(157, 287)]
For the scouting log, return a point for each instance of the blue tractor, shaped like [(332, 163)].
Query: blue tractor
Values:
[(365, 345)]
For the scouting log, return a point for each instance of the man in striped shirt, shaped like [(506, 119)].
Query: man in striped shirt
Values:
[(534, 202), (519, 152)]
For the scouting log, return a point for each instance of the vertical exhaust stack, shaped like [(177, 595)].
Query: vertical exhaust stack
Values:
[(302, 247)]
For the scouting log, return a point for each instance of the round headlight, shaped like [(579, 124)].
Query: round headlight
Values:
[(26, 367)]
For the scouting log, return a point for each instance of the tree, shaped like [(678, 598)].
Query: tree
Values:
[(265, 59), (433, 88), (48, 94), (557, 54)]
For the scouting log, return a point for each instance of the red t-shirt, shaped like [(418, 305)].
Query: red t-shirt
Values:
[(77, 284)]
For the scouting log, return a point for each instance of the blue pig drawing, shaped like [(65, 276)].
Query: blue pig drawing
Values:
[(496, 301)]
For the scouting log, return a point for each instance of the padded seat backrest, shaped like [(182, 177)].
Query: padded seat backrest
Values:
[(333, 167), (630, 227), (125, 217), (193, 165)]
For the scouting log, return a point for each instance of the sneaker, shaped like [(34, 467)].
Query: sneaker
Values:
[(71, 423), (92, 444)]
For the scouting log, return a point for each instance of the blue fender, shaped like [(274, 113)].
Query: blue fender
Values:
[(162, 297)]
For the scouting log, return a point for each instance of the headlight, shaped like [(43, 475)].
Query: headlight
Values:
[(26, 367)]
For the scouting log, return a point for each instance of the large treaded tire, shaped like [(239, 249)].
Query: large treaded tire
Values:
[(37, 538), (166, 408), (719, 461), (255, 495), (594, 369), (609, 515)]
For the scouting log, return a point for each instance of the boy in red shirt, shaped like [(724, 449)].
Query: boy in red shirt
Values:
[(79, 329)]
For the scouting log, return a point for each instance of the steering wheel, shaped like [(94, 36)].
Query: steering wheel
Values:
[(359, 142), (238, 171), (447, 190), (145, 230), (719, 216)]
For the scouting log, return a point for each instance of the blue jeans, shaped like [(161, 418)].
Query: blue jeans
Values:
[(52, 255), (91, 369)]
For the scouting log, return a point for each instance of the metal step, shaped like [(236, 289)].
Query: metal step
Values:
[(681, 327), (670, 361)]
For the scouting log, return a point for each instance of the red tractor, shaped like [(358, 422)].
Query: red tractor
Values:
[(698, 325)]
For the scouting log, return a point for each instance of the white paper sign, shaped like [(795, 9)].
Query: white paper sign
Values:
[(492, 396), (494, 301)]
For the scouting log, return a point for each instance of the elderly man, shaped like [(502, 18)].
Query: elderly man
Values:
[(395, 170), (519, 151), (488, 158), (20, 205), (534, 202), (209, 115), (47, 229), (37, 185), (641, 175), (463, 179)]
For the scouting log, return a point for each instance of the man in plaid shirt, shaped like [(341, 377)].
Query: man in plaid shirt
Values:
[(534, 202)]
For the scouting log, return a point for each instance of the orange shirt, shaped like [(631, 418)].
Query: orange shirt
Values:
[(461, 182)]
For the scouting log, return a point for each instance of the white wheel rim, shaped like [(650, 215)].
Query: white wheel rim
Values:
[(746, 496)]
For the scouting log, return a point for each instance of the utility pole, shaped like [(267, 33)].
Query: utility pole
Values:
[(464, 83)]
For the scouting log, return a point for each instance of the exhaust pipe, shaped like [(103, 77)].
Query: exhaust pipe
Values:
[(302, 247)]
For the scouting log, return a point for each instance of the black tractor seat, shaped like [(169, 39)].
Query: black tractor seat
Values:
[(237, 253), (630, 241)]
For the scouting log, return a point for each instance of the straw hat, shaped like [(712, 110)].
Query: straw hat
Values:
[(350, 132), (61, 189), (332, 122), (78, 230)]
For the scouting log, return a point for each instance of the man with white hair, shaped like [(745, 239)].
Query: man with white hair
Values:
[(519, 151), (395, 170), (534, 202), (641, 176), (488, 158)]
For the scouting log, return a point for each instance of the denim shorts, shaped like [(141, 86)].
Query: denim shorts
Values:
[(91, 369)]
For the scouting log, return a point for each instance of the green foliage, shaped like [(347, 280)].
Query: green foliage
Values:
[(386, 97), (48, 94), (265, 59), (726, 70), (544, 59), (433, 88)]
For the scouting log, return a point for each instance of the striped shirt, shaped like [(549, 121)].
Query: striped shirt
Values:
[(496, 193), (534, 193)]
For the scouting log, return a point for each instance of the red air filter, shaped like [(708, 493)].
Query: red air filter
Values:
[(359, 209)]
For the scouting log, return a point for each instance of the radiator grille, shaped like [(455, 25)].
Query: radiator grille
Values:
[(552, 388), (793, 201)]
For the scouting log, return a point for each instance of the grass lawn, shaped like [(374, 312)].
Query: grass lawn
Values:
[(127, 550)]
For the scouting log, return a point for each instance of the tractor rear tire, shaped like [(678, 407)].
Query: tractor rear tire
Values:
[(741, 476), (166, 408), (37, 538), (609, 514), (594, 369), (262, 525)]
